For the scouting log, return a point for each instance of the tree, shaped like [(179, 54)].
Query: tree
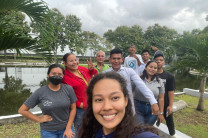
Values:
[(55, 39), (161, 36), (73, 33), (13, 93), (37, 11), (124, 36), (93, 42), (14, 22), (195, 57)]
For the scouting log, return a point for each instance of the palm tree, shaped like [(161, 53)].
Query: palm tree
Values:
[(36, 11), (195, 57)]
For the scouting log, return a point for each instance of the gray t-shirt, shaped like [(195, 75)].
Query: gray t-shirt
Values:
[(156, 88), (54, 103)]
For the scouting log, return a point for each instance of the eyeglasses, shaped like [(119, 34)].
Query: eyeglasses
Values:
[(161, 60), (57, 74)]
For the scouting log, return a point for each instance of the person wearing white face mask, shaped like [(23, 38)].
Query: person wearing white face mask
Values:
[(58, 104)]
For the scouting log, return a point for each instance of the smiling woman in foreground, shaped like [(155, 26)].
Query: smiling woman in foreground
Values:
[(109, 113)]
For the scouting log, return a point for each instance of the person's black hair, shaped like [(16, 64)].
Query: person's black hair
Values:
[(116, 51), (133, 46), (90, 126), (158, 55), (66, 56), (144, 74), (145, 51), (55, 66)]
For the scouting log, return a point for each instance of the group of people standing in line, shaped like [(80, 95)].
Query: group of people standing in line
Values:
[(103, 101)]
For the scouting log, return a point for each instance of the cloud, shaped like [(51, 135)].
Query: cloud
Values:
[(100, 15)]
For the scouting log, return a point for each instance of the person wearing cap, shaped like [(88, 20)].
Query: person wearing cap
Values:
[(99, 64), (145, 58), (169, 83), (133, 60), (116, 59)]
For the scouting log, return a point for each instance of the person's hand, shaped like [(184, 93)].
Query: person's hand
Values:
[(155, 109), (161, 117), (170, 110), (45, 118), (135, 56), (154, 48), (81, 105), (91, 66), (68, 133)]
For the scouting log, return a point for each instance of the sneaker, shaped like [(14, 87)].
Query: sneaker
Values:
[(175, 136)]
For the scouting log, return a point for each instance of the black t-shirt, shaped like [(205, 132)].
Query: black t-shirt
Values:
[(169, 83)]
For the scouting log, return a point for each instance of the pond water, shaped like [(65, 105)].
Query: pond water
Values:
[(17, 84)]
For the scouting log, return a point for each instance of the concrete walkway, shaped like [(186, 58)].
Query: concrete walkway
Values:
[(163, 130)]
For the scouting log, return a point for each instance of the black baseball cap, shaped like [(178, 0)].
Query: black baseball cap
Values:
[(158, 54)]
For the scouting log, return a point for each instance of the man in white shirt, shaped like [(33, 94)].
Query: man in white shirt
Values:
[(116, 59), (133, 60)]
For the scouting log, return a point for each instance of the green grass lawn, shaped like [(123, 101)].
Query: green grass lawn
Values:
[(27, 129), (188, 121)]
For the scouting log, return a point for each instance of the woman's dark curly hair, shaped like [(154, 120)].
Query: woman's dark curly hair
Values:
[(127, 126), (144, 74)]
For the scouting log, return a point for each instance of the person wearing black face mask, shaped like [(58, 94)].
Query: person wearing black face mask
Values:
[(55, 80), (58, 104)]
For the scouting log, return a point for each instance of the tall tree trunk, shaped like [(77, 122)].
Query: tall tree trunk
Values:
[(200, 106)]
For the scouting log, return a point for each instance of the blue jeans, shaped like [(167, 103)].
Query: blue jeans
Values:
[(144, 113), (78, 119), (54, 134)]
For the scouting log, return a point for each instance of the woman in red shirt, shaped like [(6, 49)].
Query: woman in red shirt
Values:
[(78, 77)]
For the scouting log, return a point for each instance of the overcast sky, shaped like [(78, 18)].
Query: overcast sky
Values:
[(100, 15)]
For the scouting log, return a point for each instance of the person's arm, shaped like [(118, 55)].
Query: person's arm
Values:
[(91, 68), (171, 98), (93, 72), (154, 48), (24, 111), (161, 107), (145, 91), (125, 62), (68, 132), (138, 60), (171, 88)]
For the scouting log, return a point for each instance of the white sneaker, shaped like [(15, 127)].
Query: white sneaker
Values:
[(175, 136)]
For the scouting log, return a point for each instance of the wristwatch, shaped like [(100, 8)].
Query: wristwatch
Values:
[(160, 113)]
